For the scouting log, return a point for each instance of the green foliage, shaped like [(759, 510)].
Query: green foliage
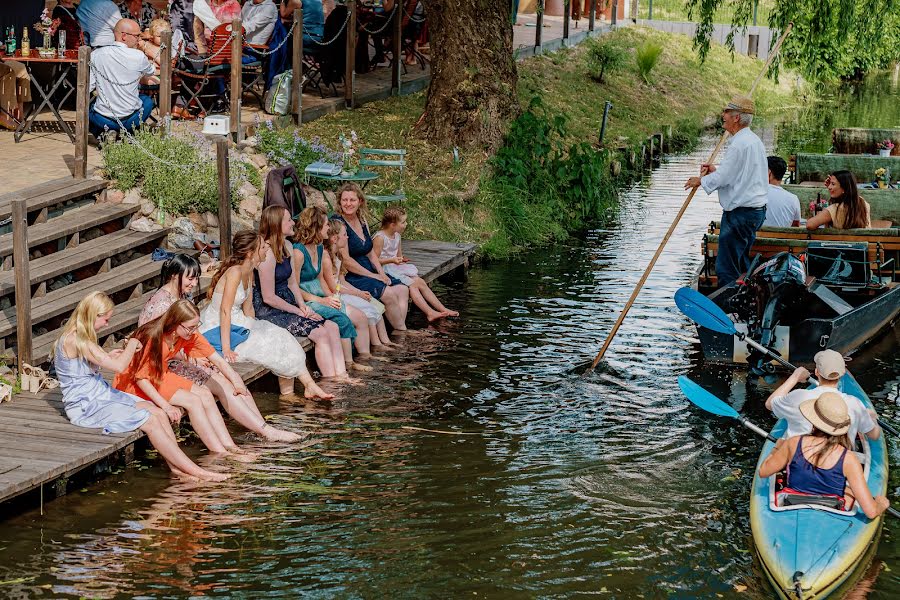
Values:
[(603, 55), (176, 172), (647, 55), (287, 146)]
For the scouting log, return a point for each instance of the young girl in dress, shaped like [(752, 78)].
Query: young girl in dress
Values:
[(148, 376), (387, 244), (231, 306), (312, 227), (91, 402), (180, 275), (277, 297), (335, 283)]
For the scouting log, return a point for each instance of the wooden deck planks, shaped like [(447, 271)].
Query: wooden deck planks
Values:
[(37, 442)]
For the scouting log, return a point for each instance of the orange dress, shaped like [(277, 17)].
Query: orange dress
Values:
[(195, 346)]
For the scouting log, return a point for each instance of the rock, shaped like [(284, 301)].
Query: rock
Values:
[(212, 220), (133, 196), (314, 197), (212, 234), (251, 206), (147, 207), (198, 220), (247, 189), (332, 200), (113, 196), (248, 143), (260, 160), (241, 223)]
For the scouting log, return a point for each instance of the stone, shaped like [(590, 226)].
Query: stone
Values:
[(133, 196), (114, 196), (247, 189), (260, 160), (212, 234), (241, 223), (248, 143), (212, 220), (147, 207), (332, 200), (251, 206), (198, 220), (314, 197)]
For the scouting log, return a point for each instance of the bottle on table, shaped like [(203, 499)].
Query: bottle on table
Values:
[(26, 43), (11, 41), (62, 43)]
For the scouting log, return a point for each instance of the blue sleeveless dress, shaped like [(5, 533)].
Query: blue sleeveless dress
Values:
[(296, 324), (309, 282), (89, 399), (803, 476), (359, 248)]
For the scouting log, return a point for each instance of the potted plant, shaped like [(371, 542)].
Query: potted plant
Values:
[(885, 147), (47, 26)]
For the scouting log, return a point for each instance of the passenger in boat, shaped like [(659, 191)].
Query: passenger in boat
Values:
[(783, 207), (742, 182), (180, 275), (90, 401), (819, 463), (846, 208), (785, 403)]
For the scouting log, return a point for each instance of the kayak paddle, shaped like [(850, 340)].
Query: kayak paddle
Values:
[(710, 403)]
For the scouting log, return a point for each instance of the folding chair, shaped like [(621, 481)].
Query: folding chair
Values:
[(253, 75), (385, 157), (215, 68)]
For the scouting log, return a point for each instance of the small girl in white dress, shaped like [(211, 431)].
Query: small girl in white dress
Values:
[(387, 246)]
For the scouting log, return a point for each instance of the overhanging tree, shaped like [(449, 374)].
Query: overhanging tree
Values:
[(472, 95)]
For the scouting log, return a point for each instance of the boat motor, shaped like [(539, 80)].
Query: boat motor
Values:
[(765, 298)]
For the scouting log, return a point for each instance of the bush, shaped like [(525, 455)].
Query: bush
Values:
[(603, 56), (285, 146), (178, 173), (647, 56)]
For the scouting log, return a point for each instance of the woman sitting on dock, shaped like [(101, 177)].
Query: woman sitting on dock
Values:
[(819, 463), (846, 208), (91, 402), (277, 297), (180, 275), (149, 377), (229, 319), (363, 268), (312, 228)]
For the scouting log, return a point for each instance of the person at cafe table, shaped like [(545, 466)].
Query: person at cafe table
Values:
[(116, 72)]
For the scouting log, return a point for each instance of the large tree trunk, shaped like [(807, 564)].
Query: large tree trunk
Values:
[(472, 96)]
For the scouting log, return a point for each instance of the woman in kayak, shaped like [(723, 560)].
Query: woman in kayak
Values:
[(819, 463)]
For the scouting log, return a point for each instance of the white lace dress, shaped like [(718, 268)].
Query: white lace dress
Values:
[(268, 345), (405, 272)]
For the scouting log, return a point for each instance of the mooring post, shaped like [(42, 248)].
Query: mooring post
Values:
[(593, 15), (539, 28), (237, 43), (350, 73), (297, 58), (224, 199), (606, 109), (82, 104), (23, 282), (165, 76), (567, 9), (397, 49)]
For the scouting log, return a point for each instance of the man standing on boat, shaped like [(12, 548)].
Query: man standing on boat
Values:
[(743, 185)]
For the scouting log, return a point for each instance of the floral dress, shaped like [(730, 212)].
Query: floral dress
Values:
[(147, 14), (156, 306), (296, 324)]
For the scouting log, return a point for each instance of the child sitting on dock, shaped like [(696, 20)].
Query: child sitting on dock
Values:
[(91, 402), (387, 245)]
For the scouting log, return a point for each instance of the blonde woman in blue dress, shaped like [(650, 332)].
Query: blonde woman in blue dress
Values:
[(90, 401)]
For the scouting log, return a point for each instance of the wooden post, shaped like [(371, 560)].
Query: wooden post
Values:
[(23, 281), (224, 199), (538, 31), (82, 105), (297, 61), (350, 73), (592, 16), (567, 8), (398, 48), (614, 15), (165, 76), (237, 43)]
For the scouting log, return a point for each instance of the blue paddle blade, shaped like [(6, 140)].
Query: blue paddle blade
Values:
[(705, 400), (703, 311)]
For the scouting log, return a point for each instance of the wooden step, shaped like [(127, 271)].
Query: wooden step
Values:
[(65, 299), (51, 193), (87, 253), (69, 224)]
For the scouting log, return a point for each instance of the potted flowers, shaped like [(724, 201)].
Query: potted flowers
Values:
[(885, 147), (347, 146), (47, 26)]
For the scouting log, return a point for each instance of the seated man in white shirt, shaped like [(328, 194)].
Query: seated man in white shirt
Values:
[(783, 207), (258, 19), (116, 73), (98, 18), (785, 404)]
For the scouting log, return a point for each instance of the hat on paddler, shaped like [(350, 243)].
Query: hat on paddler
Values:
[(830, 364), (741, 104), (827, 413)]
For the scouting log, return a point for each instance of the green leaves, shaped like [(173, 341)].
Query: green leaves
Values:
[(647, 56)]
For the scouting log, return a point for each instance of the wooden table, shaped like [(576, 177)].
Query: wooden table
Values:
[(61, 67)]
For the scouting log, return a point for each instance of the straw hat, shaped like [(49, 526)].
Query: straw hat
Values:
[(827, 413), (830, 364), (741, 104)]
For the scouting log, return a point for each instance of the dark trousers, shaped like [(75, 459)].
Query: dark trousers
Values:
[(736, 236), (99, 123)]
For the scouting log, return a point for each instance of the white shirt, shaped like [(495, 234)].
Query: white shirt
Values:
[(788, 407), (116, 72), (258, 21), (742, 178), (783, 207), (98, 18)]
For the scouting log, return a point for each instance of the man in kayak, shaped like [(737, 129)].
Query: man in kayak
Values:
[(785, 404), (742, 180)]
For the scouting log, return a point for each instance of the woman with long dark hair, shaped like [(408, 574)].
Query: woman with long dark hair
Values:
[(846, 208)]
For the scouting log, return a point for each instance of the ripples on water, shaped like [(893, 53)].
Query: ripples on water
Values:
[(610, 485)]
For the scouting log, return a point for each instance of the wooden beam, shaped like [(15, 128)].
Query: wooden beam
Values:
[(237, 43), (540, 26), (567, 9), (592, 15), (82, 105), (350, 71), (23, 282), (297, 81), (398, 48), (224, 200), (165, 76)]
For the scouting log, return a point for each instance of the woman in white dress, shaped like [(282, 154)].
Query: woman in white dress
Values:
[(231, 309)]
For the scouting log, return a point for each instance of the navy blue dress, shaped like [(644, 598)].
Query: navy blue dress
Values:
[(359, 248), (296, 324)]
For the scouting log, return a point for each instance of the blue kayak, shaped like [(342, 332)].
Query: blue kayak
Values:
[(812, 551)]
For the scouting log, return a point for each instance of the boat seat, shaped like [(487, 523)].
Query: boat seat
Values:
[(790, 497)]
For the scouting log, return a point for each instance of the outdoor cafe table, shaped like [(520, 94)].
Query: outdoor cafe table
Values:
[(361, 177), (61, 67)]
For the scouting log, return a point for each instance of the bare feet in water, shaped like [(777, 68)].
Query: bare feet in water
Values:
[(359, 367), (202, 475), (312, 390), (370, 357), (241, 455), (450, 313), (273, 434)]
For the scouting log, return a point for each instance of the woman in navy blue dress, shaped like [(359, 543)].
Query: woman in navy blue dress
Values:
[(364, 270)]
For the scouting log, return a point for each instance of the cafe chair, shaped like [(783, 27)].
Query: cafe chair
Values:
[(386, 158)]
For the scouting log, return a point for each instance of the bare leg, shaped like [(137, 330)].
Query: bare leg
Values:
[(381, 328), (432, 298), (415, 291), (195, 405), (396, 305), (165, 444), (361, 323), (319, 337), (239, 407), (311, 389)]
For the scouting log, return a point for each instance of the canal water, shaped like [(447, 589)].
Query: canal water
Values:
[(478, 462)]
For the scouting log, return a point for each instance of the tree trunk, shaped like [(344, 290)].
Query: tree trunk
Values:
[(472, 96)]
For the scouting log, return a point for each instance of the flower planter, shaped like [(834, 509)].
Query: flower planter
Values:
[(884, 152)]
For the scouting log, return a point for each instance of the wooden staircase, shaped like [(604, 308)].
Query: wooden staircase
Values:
[(76, 246)]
